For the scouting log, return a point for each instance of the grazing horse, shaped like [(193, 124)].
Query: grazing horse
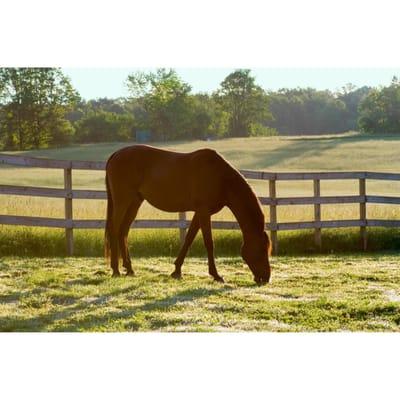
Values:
[(201, 181)]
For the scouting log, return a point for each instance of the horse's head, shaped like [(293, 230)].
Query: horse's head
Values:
[(255, 253)]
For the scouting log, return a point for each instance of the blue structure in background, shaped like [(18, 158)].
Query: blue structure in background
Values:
[(143, 136)]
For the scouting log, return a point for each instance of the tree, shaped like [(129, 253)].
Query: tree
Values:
[(164, 98), (105, 104), (307, 111), (208, 119), (352, 97), (34, 102), (104, 126), (245, 102), (380, 110)]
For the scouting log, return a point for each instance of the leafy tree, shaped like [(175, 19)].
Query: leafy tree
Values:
[(34, 102), (245, 102), (352, 97), (262, 130), (103, 126), (105, 104), (380, 110), (208, 119), (164, 99), (307, 111)]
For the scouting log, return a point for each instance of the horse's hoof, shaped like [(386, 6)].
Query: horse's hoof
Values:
[(115, 274), (176, 275), (219, 279), (130, 273)]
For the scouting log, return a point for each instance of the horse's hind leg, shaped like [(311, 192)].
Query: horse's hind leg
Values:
[(124, 231), (114, 255), (119, 211), (190, 235), (205, 225)]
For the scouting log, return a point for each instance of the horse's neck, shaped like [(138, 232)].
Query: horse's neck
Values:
[(245, 207)]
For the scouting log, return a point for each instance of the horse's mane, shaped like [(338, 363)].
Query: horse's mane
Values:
[(240, 189)]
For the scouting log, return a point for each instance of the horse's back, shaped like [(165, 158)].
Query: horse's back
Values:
[(170, 180)]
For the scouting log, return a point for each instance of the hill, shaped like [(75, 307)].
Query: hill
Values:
[(294, 153)]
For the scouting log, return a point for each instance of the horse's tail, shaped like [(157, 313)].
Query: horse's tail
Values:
[(108, 222), (269, 247), (269, 244)]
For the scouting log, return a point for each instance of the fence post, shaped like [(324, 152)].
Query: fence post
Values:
[(273, 215), (363, 214), (182, 231), (68, 210), (317, 214)]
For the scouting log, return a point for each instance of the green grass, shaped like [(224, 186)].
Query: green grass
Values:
[(43, 242), (320, 293), (318, 153)]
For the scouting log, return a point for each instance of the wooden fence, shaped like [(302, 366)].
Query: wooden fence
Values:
[(181, 223)]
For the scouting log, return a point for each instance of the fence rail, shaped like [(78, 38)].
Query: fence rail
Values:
[(68, 194)]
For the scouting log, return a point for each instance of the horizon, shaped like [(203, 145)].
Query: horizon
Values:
[(98, 82)]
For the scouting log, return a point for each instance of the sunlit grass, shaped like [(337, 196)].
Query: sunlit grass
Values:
[(96, 209), (294, 153), (324, 293)]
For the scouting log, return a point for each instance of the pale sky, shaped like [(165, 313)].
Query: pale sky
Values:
[(110, 82)]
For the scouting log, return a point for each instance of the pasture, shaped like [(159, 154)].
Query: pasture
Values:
[(340, 290), (349, 152), (321, 293)]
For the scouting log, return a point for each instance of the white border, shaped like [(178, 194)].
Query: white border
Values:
[(210, 33), (199, 366)]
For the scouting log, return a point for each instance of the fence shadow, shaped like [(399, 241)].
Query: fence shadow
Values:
[(95, 322)]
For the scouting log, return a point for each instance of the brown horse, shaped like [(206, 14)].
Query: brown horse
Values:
[(201, 181)]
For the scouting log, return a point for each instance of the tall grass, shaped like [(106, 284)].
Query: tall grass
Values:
[(45, 242)]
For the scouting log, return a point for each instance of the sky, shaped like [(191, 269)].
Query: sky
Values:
[(110, 82)]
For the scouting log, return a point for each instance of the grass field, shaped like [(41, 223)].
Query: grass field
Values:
[(338, 291), (321, 153), (322, 293)]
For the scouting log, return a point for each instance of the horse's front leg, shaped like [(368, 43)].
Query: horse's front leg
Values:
[(205, 225), (190, 235)]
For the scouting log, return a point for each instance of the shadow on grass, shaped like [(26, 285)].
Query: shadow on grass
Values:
[(18, 296), (262, 159), (162, 305), (300, 147), (100, 322)]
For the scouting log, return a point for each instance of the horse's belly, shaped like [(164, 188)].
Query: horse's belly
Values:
[(168, 206), (183, 202), (167, 197)]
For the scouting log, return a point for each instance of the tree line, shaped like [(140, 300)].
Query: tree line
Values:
[(39, 107)]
